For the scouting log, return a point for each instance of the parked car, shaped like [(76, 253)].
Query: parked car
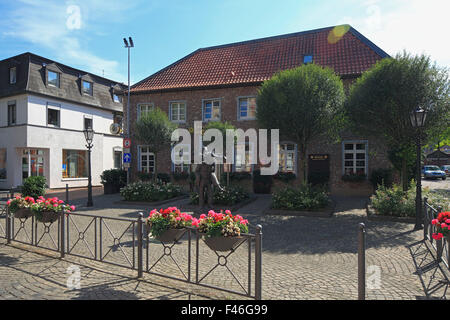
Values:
[(433, 172), (446, 169)]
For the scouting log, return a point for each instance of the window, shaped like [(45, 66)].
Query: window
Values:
[(2, 164), (88, 122), (116, 98), (307, 59), (355, 157), (53, 115), (243, 164), (87, 87), (178, 111), (12, 113), (287, 157), (12, 75), (53, 78), (74, 164), (184, 160), (211, 110), (147, 160), (143, 108), (247, 108), (117, 159)]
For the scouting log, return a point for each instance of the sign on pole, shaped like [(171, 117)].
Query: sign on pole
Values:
[(127, 143), (126, 158)]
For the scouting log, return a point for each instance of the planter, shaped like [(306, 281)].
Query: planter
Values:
[(111, 188), (171, 235), (23, 213), (223, 243), (47, 216)]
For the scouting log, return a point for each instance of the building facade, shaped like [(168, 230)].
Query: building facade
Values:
[(44, 108), (221, 84)]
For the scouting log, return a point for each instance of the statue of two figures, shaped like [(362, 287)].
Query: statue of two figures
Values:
[(205, 180)]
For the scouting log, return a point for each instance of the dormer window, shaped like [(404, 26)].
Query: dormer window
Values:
[(307, 59), (53, 78), (116, 98), (12, 75), (87, 87)]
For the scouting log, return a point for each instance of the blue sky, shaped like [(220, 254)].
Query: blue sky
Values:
[(87, 34)]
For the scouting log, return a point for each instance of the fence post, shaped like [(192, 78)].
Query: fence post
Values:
[(362, 262), (62, 233), (439, 245), (8, 225), (67, 193), (425, 219), (258, 262), (139, 253)]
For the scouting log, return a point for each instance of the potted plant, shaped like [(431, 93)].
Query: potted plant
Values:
[(48, 210), (21, 207), (222, 231), (442, 223), (168, 225)]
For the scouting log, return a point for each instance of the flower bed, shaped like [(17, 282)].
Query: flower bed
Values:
[(150, 191), (304, 197), (230, 195)]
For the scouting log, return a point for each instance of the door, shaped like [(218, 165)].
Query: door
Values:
[(318, 168), (32, 163)]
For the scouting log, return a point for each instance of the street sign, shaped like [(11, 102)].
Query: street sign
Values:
[(127, 143), (126, 158), (126, 150)]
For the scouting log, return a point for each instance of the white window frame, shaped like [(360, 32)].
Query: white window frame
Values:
[(91, 86), (171, 113), (6, 163), (150, 106), (10, 114), (12, 79), (295, 156), (186, 158), (212, 100), (119, 99), (355, 151), (117, 149), (244, 165), (239, 117), (58, 77), (88, 116), (55, 107), (147, 153)]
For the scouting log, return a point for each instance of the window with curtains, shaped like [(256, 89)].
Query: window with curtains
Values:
[(247, 108), (143, 108), (12, 75), (147, 160), (287, 157), (211, 110), (243, 164), (74, 164)]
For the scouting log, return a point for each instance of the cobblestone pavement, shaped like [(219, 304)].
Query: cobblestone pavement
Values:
[(303, 258)]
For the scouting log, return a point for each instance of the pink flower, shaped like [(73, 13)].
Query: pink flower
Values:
[(437, 236), (443, 225), (8, 202), (72, 208), (227, 211), (55, 205), (177, 218), (202, 216), (434, 221), (60, 201)]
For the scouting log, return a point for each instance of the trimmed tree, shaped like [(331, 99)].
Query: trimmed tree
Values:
[(154, 129), (303, 103), (382, 99)]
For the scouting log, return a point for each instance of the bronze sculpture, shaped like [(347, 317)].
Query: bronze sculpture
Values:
[(205, 179)]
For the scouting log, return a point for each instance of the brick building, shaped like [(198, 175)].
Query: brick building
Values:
[(221, 83)]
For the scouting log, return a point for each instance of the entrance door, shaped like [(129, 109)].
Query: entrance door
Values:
[(32, 163), (318, 168)]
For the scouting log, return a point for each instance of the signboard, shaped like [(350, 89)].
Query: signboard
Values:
[(127, 143), (126, 150), (318, 156), (126, 158)]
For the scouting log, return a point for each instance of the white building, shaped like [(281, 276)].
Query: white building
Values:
[(44, 108)]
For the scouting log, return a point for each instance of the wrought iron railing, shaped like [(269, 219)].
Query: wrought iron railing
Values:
[(441, 246), (125, 242)]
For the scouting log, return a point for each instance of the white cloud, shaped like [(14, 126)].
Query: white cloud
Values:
[(416, 26)]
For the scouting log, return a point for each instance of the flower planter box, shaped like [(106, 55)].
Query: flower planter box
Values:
[(48, 216), (171, 235), (23, 213), (110, 188), (223, 243)]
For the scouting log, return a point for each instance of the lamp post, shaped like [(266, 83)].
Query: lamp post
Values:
[(89, 136), (417, 118), (128, 45)]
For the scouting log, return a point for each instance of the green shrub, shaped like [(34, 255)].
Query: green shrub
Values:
[(177, 176), (114, 176), (381, 176), (229, 196), (148, 176), (305, 197), (285, 176), (150, 191), (33, 187), (394, 201)]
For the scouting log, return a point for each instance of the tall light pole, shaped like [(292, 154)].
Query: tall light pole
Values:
[(89, 136), (127, 133), (417, 118)]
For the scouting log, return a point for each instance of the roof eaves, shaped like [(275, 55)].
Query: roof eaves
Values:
[(369, 43)]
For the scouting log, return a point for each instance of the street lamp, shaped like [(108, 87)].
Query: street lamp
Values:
[(127, 132), (418, 118), (89, 136)]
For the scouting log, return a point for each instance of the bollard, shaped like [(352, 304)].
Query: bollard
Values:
[(139, 253), (362, 262), (258, 263), (67, 193), (62, 233)]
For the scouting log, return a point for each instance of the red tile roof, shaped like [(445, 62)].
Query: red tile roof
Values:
[(342, 48)]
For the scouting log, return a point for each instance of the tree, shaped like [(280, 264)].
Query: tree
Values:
[(154, 129), (303, 103), (381, 100)]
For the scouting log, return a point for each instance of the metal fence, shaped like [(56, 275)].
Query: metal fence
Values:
[(125, 242), (441, 246)]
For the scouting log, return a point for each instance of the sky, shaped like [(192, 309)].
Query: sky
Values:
[(87, 34)]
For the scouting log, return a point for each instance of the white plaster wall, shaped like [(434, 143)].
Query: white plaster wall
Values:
[(10, 139), (21, 109)]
